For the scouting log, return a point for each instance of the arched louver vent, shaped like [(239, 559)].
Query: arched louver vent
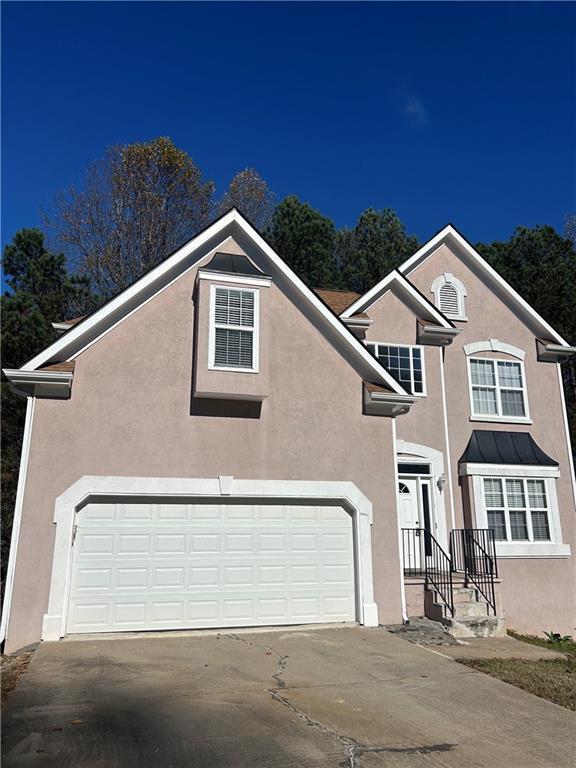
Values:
[(449, 300)]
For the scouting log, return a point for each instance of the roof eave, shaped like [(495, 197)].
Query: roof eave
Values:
[(387, 404)]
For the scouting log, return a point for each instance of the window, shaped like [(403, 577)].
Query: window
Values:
[(449, 295), (406, 364), (517, 508), (233, 329), (498, 389)]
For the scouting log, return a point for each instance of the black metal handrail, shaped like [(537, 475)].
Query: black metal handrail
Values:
[(422, 555), (473, 551)]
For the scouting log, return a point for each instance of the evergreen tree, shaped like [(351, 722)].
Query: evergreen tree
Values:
[(377, 244), (40, 292), (305, 239)]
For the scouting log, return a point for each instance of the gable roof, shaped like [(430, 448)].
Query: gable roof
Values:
[(450, 235), (410, 295), (231, 224)]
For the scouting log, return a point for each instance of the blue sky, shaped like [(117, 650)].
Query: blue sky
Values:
[(444, 112)]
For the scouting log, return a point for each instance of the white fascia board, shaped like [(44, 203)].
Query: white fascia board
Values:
[(364, 362), (450, 233), (226, 277), (99, 321), (508, 470), (364, 303), (86, 332)]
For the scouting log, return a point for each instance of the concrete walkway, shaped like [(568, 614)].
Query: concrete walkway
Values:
[(338, 698), (499, 648)]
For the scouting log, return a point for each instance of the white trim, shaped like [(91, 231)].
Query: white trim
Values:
[(508, 470), (255, 330), (240, 280), (405, 617), (26, 438), (524, 549), (436, 459), (498, 417), (447, 438), (374, 294), (346, 493), (448, 279), (567, 432), (493, 345), (424, 392), (449, 233), (233, 224)]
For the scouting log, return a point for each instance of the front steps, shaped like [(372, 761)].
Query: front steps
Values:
[(471, 614)]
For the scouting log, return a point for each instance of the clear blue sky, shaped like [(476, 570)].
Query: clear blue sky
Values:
[(444, 112)]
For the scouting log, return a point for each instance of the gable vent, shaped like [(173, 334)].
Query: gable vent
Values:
[(449, 300)]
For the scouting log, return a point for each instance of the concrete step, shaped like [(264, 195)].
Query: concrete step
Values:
[(475, 626), (476, 608)]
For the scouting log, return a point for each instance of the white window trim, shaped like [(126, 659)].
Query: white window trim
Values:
[(499, 417), (449, 278), (424, 392), (494, 345), (255, 331), (523, 549)]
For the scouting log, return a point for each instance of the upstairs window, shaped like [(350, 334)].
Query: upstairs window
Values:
[(406, 364), (234, 329), (498, 389), (449, 296), (517, 509)]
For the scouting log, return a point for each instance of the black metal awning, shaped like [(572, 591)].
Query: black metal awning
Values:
[(495, 447)]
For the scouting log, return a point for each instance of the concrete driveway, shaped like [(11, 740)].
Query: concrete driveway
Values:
[(333, 697)]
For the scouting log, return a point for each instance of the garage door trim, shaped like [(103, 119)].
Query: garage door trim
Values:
[(100, 487)]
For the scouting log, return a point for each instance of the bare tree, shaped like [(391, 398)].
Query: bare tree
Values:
[(139, 203), (251, 195)]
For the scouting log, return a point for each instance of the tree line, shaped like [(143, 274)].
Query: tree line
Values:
[(142, 201)]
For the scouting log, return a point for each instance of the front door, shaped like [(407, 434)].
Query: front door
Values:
[(415, 512)]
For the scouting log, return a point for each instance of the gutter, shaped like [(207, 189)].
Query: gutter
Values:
[(51, 384)]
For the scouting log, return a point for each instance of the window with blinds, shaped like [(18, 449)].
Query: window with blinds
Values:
[(498, 388), (517, 508), (234, 328)]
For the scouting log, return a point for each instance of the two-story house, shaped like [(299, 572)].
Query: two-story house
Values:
[(220, 446)]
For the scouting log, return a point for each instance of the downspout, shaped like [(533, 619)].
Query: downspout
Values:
[(441, 351), (405, 619)]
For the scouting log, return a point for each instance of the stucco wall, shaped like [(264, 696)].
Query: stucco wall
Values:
[(539, 595), (131, 413)]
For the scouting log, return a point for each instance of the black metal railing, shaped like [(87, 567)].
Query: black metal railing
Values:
[(423, 556), (473, 552)]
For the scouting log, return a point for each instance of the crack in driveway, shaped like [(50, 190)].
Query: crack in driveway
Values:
[(354, 748)]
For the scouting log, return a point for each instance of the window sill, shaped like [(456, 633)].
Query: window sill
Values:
[(531, 550), (503, 419), (232, 370)]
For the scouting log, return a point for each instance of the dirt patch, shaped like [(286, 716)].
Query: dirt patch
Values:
[(11, 667)]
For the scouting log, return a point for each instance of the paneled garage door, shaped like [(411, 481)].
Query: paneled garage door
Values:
[(146, 566)]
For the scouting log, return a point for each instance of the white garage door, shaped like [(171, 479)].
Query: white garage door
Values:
[(141, 566)]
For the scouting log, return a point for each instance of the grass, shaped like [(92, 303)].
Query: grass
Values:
[(11, 667), (551, 679)]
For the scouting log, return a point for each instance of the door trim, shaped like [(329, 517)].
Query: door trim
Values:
[(415, 451), (100, 487)]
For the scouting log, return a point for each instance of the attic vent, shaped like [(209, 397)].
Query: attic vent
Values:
[(449, 299), (449, 295)]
